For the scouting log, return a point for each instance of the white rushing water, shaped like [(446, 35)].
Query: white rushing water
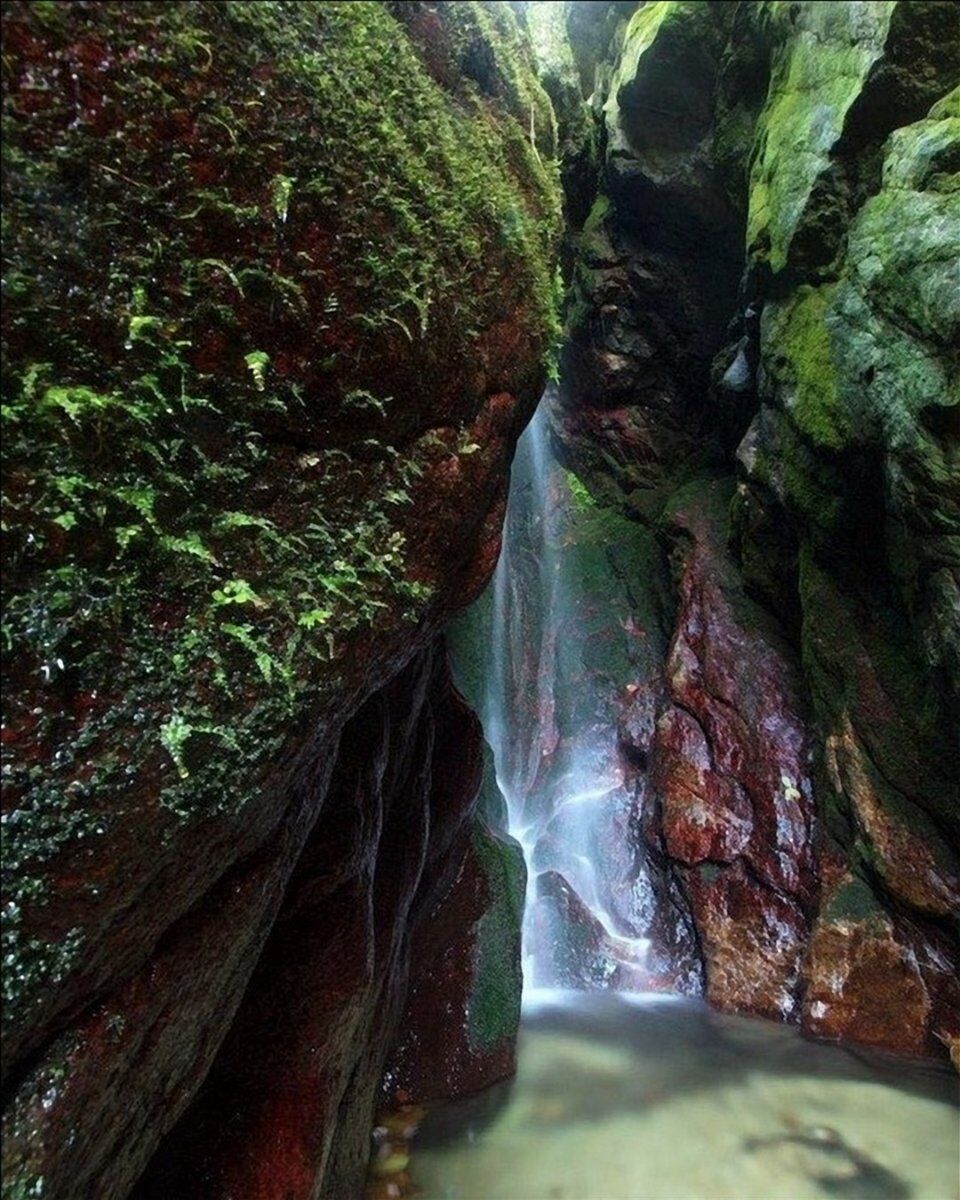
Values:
[(562, 797)]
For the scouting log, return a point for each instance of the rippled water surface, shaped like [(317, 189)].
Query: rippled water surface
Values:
[(620, 1097)]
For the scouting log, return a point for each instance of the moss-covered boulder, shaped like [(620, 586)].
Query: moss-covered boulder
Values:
[(458, 1032), (278, 297), (827, 53)]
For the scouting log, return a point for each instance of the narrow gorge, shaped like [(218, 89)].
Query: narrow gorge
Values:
[(481, 511)]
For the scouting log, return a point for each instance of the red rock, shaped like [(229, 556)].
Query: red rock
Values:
[(752, 939), (862, 981), (730, 764), (705, 815)]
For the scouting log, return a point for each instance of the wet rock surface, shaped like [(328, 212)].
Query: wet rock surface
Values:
[(760, 371), (255, 456), (731, 763)]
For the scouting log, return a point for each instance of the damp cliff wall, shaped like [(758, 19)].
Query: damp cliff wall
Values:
[(279, 295), (760, 374)]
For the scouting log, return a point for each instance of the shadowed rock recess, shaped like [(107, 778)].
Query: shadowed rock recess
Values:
[(280, 292)]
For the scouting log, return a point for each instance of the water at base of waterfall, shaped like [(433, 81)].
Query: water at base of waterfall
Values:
[(650, 1098)]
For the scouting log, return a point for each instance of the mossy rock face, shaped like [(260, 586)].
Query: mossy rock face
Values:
[(279, 289), (493, 1011), (458, 1032), (871, 673), (659, 260), (824, 138), (669, 53), (843, 77), (827, 52), (801, 359), (577, 135), (864, 372), (852, 900)]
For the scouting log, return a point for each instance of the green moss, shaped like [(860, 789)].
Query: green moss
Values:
[(665, 44), (817, 75), (598, 215), (948, 106), (903, 249), (810, 488), (854, 901), (582, 500), (641, 31), (801, 355), (241, 252), (494, 1006)]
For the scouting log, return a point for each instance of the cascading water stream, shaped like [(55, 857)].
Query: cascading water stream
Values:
[(562, 780)]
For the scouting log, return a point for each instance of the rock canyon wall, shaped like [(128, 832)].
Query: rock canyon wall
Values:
[(761, 372), (279, 295)]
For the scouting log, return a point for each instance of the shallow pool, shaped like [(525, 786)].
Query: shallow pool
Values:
[(636, 1098)]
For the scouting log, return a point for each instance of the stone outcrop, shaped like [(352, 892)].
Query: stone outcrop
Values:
[(761, 370), (279, 289), (731, 764)]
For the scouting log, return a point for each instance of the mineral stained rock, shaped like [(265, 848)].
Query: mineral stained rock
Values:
[(760, 368)]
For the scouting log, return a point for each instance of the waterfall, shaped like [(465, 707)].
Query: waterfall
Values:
[(552, 728)]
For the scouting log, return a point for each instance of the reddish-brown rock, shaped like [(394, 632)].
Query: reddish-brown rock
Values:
[(862, 981), (878, 979), (752, 940), (705, 816), (258, 445), (291, 1094), (456, 1034), (730, 763)]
